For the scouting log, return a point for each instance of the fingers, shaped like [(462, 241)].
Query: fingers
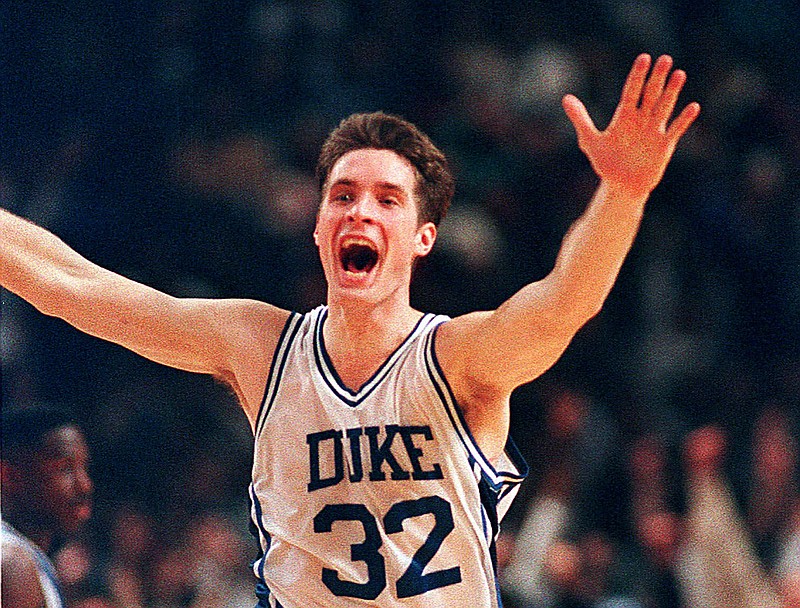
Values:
[(683, 121), (579, 117), (653, 98), (654, 89), (659, 94), (666, 104), (632, 90)]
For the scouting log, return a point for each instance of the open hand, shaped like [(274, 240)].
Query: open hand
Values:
[(634, 150)]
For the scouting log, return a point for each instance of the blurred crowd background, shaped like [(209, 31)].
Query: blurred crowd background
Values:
[(174, 141)]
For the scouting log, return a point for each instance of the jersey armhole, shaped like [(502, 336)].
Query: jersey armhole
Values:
[(276, 368), (512, 468)]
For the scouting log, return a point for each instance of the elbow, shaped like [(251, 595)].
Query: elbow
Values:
[(589, 311), (48, 300), (583, 314), (573, 315), (572, 301), (61, 297)]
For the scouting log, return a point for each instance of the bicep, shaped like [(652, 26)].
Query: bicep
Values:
[(178, 332), (497, 351), (226, 338), (231, 339), (222, 337)]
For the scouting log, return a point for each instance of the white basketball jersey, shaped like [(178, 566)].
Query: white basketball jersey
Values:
[(378, 497), (45, 570)]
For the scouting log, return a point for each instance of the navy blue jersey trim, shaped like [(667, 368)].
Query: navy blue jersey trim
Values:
[(258, 515), (264, 593), (489, 500), (331, 376), (290, 329), (263, 531), (498, 479)]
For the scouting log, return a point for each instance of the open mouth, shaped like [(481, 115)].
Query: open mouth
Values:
[(358, 257), (82, 509)]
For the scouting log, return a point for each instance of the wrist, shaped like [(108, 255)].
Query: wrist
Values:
[(624, 191)]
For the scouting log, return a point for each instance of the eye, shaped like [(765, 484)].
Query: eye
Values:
[(390, 202), (62, 466), (343, 197)]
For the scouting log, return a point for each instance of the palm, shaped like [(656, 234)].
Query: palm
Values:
[(635, 148)]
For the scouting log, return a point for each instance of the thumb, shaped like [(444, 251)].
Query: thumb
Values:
[(579, 117)]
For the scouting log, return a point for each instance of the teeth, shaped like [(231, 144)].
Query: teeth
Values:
[(357, 240)]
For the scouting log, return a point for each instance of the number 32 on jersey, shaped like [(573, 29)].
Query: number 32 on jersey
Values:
[(413, 581)]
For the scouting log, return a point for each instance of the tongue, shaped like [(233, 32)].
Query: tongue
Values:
[(353, 267), (360, 261)]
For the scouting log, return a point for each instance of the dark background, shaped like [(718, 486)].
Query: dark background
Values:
[(174, 142)]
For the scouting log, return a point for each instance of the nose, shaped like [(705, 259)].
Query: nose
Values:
[(362, 209), (84, 482)]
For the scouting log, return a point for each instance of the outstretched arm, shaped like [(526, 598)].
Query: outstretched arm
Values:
[(230, 339), (486, 355)]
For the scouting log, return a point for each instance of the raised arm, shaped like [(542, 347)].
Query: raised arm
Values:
[(486, 355), (230, 339)]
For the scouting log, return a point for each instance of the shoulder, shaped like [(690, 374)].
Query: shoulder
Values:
[(251, 331), (251, 312), (246, 322), (20, 575), (462, 350), (457, 327), (455, 339), (468, 360)]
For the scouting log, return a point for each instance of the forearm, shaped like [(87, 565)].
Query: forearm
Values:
[(40, 268), (35, 264), (536, 324), (232, 339), (630, 157), (534, 327), (593, 252)]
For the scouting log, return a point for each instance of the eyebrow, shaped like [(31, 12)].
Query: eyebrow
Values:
[(381, 185)]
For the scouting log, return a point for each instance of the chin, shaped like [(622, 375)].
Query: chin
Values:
[(355, 284), (363, 295)]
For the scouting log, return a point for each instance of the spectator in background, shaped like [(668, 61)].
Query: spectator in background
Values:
[(709, 555), (46, 496), (718, 566)]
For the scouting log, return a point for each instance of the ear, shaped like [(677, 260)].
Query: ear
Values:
[(426, 237), (316, 220), (316, 227)]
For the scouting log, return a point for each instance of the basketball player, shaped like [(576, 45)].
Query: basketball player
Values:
[(46, 497), (382, 461)]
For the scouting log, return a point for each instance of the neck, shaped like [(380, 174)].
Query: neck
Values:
[(362, 320), (361, 325), (30, 529), (360, 336)]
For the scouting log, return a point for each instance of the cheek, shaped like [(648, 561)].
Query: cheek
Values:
[(405, 249), (60, 489)]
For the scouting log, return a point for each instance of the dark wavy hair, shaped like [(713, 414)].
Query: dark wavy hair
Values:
[(24, 428), (381, 131)]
